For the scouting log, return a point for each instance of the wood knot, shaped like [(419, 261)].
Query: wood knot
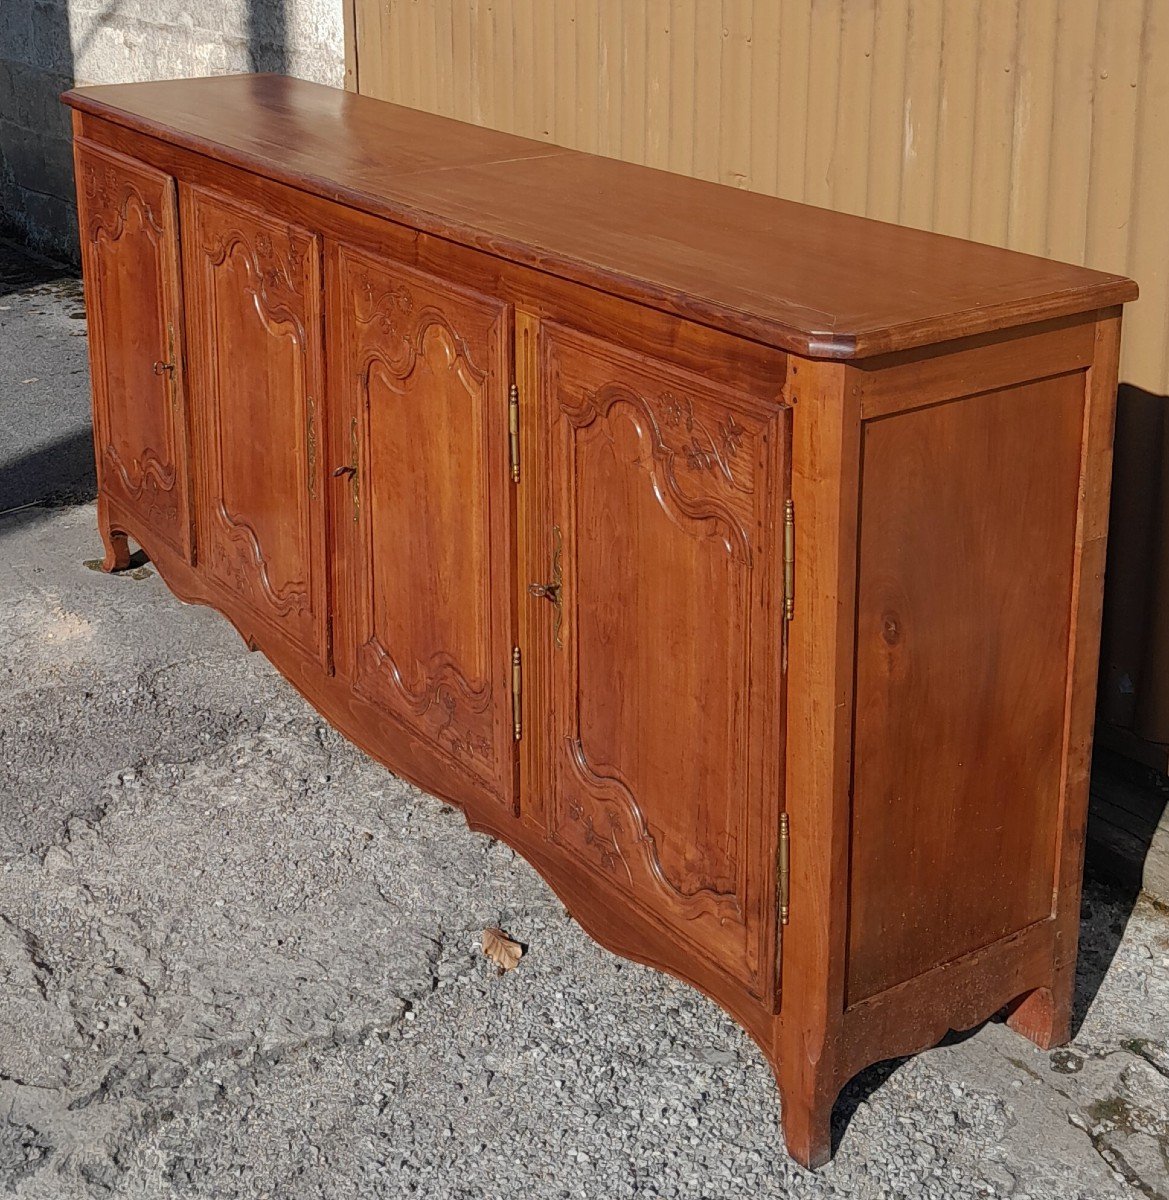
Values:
[(891, 629)]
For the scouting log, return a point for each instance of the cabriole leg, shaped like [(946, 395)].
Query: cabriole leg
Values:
[(117, 547)]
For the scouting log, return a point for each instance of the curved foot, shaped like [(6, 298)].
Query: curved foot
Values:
[(117, 557), (807, 1128), (1043, 1017)]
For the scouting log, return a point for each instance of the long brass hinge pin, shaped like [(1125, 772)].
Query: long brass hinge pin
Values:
[(310, 443), (789, 559), (513, 431), (517, 684), (783, 864)]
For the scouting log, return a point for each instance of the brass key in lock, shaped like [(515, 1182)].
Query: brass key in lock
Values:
[(554, 591)]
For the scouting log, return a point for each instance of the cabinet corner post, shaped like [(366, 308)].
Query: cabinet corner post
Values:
[(825, 469)]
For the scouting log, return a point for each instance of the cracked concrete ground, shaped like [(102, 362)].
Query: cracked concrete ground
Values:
[(238, 959)]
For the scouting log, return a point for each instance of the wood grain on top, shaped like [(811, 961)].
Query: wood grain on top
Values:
[(806, 279)]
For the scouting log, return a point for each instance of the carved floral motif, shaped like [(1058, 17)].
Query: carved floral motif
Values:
[(702, 450), (100, 187), (381, 306), (462, 740), (608, 849), (112, 196), (677, 436), (442, 694), (629, 845), (148, 484), (241, 561), (405, 327), (275, 273), (310, 434)]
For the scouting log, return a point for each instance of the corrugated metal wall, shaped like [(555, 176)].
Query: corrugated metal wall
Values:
[(1035, 124)]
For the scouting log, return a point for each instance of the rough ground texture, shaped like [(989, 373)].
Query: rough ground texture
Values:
[(238, 959)]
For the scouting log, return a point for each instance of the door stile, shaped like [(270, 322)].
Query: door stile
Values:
[(177, 346), (533, 624), (341, 530)]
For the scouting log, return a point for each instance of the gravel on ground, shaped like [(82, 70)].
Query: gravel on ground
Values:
[(239, 959)]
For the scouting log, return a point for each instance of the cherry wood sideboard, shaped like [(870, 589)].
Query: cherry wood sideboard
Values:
[(737, 562)]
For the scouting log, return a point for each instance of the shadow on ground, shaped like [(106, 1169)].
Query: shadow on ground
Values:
[(46, 443), (61, 473), (1105, 910), (22, 269)]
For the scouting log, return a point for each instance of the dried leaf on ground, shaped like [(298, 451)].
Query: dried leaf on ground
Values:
[(502, 951)]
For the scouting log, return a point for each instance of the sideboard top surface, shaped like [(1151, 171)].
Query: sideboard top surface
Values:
[(805, 279)]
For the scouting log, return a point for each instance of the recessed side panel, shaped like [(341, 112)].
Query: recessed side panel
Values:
[(967, 536)]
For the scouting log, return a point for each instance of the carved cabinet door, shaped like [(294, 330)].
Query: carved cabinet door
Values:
[(419, 389), (254, 285), (129, 240), (664, 644)]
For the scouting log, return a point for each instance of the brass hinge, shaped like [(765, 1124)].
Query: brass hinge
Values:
[(783, 867), (517, 687), (789, 559), (513, 433), (310, 445)]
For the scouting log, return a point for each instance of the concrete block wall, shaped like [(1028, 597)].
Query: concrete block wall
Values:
[(48, 45)]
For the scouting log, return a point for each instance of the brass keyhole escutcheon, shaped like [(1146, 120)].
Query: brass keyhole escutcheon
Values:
[(553, 592), (166, 370), (350, 469), (546, 591)]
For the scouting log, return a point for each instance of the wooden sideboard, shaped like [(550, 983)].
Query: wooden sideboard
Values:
[(736, 561)]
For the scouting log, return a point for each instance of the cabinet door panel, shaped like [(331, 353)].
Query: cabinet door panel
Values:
[(256, 362), (129, 240), (421, 391), (666, 740)]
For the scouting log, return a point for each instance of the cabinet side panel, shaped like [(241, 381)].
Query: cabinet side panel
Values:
[(967, 539)]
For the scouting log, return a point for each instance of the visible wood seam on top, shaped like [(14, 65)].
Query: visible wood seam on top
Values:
[(828, 342)]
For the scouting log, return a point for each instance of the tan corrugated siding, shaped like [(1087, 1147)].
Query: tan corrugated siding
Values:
[(1035, 124)]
